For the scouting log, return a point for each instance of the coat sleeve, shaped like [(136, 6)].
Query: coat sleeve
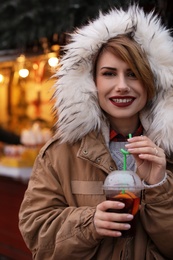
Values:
[(156, 216), (51, 229)]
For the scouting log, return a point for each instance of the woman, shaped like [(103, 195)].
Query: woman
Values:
[(115, 79)]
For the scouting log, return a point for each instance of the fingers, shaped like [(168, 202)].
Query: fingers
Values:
[(110, 223), (150, 159), (144, 147), (112, 229), (108, 204)]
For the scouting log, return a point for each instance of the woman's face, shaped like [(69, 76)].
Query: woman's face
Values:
[(121, 95)]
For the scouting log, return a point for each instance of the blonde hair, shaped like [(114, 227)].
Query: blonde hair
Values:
[(126, 48)]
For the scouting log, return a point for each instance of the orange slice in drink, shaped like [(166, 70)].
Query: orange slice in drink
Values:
[(130, 196), (126, 194)]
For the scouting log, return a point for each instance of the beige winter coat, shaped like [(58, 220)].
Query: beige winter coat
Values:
[(56, 216)]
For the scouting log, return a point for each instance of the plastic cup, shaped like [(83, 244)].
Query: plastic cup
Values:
[(124, 186)]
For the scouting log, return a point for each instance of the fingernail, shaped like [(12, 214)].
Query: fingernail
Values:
[(130, 150), (127, 226), (129, 216), (121, 205), (129, 139)]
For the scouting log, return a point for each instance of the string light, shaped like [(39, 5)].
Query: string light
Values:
[(1, 78), (23, 73), (53, 61)]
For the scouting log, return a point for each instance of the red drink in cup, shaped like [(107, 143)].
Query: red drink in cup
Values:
[(125, 187)]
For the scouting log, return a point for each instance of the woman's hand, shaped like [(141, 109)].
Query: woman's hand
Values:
[(150, 159), (109, 223)]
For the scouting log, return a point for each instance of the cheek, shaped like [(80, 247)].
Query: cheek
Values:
[(100, 87), (103, 86), (144, 99), (101, 95)]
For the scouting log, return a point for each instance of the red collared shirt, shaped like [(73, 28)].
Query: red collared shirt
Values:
[(117, 137)]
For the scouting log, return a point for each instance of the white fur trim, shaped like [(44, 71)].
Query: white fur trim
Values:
[(159, 124), (76, 94)]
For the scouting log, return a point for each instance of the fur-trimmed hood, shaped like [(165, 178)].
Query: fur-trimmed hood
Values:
[(76, 93)]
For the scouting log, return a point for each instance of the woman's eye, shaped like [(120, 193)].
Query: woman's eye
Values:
[(108, 73), (131, 74)]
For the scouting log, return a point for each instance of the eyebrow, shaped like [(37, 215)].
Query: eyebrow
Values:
[(110, 68)]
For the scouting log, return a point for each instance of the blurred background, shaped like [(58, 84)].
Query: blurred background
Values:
[(32, 36)]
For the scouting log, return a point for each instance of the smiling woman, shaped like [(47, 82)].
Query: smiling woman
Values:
[(115, 78)]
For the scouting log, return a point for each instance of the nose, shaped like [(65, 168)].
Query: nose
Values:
[(121, 84)]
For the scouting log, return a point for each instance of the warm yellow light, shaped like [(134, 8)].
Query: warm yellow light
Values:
[(53, 61), (1, 78), (23, 73), (21, 58), (35, 66)]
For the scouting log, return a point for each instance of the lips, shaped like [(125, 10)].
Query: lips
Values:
[(122, 101)]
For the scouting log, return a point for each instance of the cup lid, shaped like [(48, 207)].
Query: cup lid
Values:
[(122, 179)]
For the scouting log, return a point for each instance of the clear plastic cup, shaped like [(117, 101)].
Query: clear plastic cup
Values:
[(124, 186)]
